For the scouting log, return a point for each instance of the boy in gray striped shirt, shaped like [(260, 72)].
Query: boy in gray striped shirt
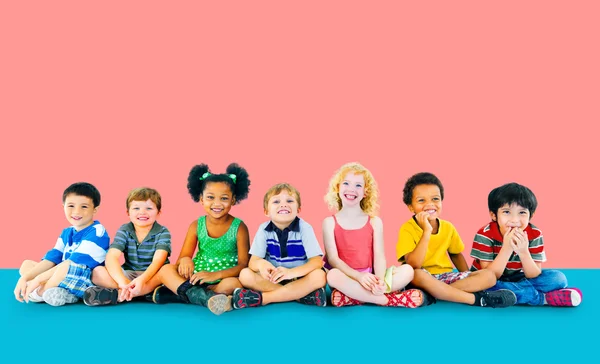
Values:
[(146, 245)]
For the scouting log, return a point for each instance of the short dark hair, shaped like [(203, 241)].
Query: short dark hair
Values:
[(83, 189), (423, 178), (511, 193)]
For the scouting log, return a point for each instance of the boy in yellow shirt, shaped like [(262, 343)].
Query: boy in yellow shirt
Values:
[(433, 248)]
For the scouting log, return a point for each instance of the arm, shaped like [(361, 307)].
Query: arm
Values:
[(158, 260), (459, 262), (416, 258), (184, 262), (114, 268), (331, 250), (313, 263), (379, 263), (520, 244), (39, 268)]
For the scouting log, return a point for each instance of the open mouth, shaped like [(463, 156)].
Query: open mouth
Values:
[(350, 197), (217, 211), (283, 212), (76, 218), (430, 212)]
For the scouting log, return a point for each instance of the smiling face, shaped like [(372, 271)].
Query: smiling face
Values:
[(79, 211), (217, 199), (426, 198), (352, 189), (143, 214), (511, 216), (282, 209)]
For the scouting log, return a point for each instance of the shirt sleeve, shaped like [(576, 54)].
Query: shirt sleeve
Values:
[(407, 242), (120, 240), (92, 249), (456, 243), (536, 248), (55, 255), (310, 242), (482, 247), (163, 240), (259, 244)]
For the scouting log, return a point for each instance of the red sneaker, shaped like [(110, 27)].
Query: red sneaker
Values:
[(566, 297)]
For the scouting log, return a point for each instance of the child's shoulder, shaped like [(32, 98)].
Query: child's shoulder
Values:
[(303, 224), (533, 232)]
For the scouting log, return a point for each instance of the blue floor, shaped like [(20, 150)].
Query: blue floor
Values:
[(444, 332)]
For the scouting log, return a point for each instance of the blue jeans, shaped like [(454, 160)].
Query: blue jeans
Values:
[(530, 291)]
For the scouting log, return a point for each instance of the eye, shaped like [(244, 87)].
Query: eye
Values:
[(290, 201), (136, 208), (275, 202), (224, 198), (505, 212), (436, 199), (524, 213), (358, 185), (209, 197), (345, 183), (420, 200), (84, 207)]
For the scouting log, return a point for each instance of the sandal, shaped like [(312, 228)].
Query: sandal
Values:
[(343, 299), (403, 298)]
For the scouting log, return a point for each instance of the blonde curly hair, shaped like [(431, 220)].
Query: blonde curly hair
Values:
[(369, 203)]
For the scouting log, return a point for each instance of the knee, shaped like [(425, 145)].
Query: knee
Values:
[(26, 265), (419, 275), (490, 277), (556, 277), (317, 277), (246, 276), (98, 275), (334, 277), (405, 271)]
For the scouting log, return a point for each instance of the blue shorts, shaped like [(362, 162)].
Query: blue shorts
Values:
[(77, 279)]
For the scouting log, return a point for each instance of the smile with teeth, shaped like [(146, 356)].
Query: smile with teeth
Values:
[(216, 210), (143, 218), (430, 212), (350, 197), (285, 212), (76, 217)]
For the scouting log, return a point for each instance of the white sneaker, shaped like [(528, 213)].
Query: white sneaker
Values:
[(57, 296), (35, 296)]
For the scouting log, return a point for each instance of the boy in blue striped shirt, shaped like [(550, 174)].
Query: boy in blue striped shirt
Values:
[(286, 262), (64, 273), (146, 245)]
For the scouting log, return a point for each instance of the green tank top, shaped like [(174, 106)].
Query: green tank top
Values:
[(215, 254)]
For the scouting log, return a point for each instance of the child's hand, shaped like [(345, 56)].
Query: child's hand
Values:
[(135, 287), (379, 288), (423, 221), (186, 267), (124, 294), (203, 277), (266, 270), (281, 273), (20, 289), (31, 286), (520, 242), (367, 280), (508, 238)]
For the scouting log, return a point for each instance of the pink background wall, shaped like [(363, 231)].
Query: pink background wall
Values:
[(127, 94)]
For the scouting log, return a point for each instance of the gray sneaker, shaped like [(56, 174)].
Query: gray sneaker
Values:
[(99, 296), (57, 296), (497, 299)]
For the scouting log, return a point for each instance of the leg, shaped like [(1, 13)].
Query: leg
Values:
[(58, 276), (348, 286), (441, 290), (549, 280), (476, 281), (402, 276), (226, 286), (552, 286), (26, 266), (101, 277), (297, 289), (524, 290), (169, 276), (255, 282)]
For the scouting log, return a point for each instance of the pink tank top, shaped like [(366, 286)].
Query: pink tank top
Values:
[(355, 247)]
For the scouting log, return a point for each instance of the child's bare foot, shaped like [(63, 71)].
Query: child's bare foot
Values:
[(338, 299)]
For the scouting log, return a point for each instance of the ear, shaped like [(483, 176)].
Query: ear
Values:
[(410, 208), (233, 200), (96, 209), (266, 212), (493, 216), (299, 209)]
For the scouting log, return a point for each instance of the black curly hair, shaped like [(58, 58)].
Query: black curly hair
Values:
[(423, 178), (239, 188), (512, 193)]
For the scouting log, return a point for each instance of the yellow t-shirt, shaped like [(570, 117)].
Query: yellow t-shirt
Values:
[(445, 241)]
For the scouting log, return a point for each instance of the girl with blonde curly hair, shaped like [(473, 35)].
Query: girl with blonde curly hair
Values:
[(353, 238)]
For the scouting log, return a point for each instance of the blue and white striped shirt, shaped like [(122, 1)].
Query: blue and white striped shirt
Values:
[(87, 246)]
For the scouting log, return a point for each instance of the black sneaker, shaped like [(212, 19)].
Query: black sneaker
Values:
[(162, 294), (315, 298), (99, 296), (427, 299), (496, 299), (243, 298)]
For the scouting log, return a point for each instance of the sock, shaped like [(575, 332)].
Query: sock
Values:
[(35, 296), (478, 296)]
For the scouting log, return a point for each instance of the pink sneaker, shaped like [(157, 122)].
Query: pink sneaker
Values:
[(566, 297)]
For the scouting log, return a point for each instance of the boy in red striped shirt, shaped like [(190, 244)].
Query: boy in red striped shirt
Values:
[(513, 249)]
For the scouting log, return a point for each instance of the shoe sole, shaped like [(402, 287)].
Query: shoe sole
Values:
[(91, 296), (59, 297), (219, 303)]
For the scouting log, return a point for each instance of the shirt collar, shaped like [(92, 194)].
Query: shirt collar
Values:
[(294, 226), (156, 227)]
